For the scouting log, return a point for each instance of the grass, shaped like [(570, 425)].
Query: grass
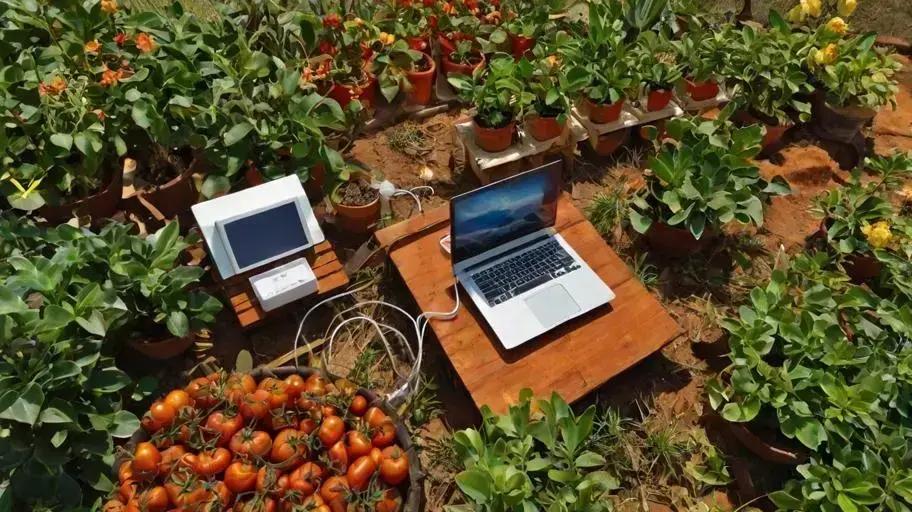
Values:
[(409, 138), (201, 8), (608, 210), (646, 272)]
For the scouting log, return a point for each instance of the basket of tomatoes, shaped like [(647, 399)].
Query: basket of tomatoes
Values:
[(283, 440)]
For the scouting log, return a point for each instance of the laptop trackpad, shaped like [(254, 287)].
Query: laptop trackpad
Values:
[(552, 306)]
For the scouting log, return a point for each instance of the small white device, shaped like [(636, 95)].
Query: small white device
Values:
[(524, 278), (285, 284)]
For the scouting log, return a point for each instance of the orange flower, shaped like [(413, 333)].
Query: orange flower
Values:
[(110, 78), (109, 6), (92, 47), (145, 42), (449, 8), (100, 114), (54, 88)]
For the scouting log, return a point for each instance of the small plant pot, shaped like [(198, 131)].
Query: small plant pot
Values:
[(422, 82), (608, 143), (702, 91), (862, 267), (601, 113), (174, 197), (448, 44), (673, 241), (521, 45), (161, 350), (100, 205), (544, 128), (355, 219), (366, 92), (838, 123), (658, 99), (419, 43), (455, 68), (775, 130), (494, 140)]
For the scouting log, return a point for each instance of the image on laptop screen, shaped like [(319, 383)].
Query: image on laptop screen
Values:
[(266, 234), (494, 215)]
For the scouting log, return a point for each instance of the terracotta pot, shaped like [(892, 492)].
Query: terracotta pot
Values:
[(97, 206), (175, 197), (766, 450), (862, 267), (494, 140), (422, 83), (253, 176), (163, 349), (365, 92), (673, 241), (601, 113), (774, 132), (454, 68), (544, 128), (314, 186), (448, 44), (419, 43), (520, 45), (658, 99), (356, 219), (841, 124), (702, 91), (608, 143)]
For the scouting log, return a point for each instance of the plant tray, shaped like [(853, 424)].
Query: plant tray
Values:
[(672, 110), (594, 130), (690, 105)]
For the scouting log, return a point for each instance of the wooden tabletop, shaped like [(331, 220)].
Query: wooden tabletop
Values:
[(573, 359)]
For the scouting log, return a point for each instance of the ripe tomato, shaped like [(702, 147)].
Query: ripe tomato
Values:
[(271, 481), (306, 479), (256, 504), (146, 460), (203, 392), (390, 501), (241, 477), (250, 443), (170, 457), (210, 463), (374, 417), (334, 491), (338, 457), (315, 385), (331, 430), (218, 493), (278, 396), (358, 405), (127, 490), (384, 435), (113, 506), (154, 500), (307, 425), (237, 386), (185, 494), (224, 426), (294, 386), (162, 413), (376, 454), (125, 471), (150, 425), (279, 419), (255, 405), (356, 444), (289, 446), (359, 473), (394, 467), (328, 410), (178, 399)]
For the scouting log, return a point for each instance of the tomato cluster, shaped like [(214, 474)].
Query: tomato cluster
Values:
[(227, 442)]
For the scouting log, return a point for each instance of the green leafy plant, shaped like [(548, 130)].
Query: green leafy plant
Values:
[(704, 53), (528, 18), (541, 77), (860, 76), (599, 64), (520, 460), (656, 62), (496, 92), (392, 64), (703, 178)]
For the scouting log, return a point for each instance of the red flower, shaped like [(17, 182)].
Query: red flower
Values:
[(429, 3), (495, 3), (327, 48), (120, 39), (432, 22), (405, 3), (471, 4), (332, 20)]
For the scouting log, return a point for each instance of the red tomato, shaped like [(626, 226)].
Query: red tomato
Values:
[(185, 495), (278, 396), (394, 467), (150, 425), (169, 457), (113, 506), (241, 477), (154, 500), (127, 490), (308, 425), (390, 501), (334, 491), (331, 430), (358, 405), (356, 444), (338, 457), (306, 479), (360, 472), (315, 385), (271, 481), (178, 399), (224, 426), (255, 405), (146, 460), (250, 443), (374, 417), (203, 392), (162, 413), (289, 446), (376, 454), (219, 493), (282, 418), (384, 435), (210, 463), (125, 471), (294, 386), (237, 386), (256, 504)]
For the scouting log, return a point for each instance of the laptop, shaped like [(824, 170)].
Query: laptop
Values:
[(524, 278)]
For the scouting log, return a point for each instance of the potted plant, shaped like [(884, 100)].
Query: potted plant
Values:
[(703, 55), (598, 70), (657, 67), (413, 22), (348, 39), (465, 58), (701, 179), (356, 200), (398, 67), (525, 21), (547, 113), (497, 94)]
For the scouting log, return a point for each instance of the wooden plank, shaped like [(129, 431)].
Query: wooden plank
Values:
[(573, 359)]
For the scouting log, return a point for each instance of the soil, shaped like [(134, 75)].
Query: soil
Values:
[(357, 193), (161, 166)]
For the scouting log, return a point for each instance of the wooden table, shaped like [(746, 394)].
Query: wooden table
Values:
[(573, 359)]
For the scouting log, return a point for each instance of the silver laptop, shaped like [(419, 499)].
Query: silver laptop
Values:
[(523, 276)]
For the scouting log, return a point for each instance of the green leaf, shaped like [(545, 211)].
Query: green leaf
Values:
[(640, 223), (27, 406), (237, 133), (63, 140), (475, 484), (58, 411), (124, 424), (590, 460), (109, 380), (178, 324), (215, 186), (94, 324)]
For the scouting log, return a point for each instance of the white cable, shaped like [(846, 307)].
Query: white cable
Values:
[(411, 192)]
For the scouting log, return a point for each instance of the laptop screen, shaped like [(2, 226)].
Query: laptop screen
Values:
[(265, 235), (504, 211)]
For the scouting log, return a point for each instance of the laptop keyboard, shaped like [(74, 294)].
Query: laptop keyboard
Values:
[(524, 271)]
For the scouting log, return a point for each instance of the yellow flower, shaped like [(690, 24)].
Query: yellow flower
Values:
[(92, 46), (826, 55), (358, 22), (386, 39), (109, 6), (878, 234), (813, 8), (796, 15), (846, 7), (837, 26)]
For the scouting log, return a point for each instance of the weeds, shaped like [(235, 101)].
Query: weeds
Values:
[(423, 405), (646, 272), (608, 211), (409, 138), (362, 372)]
